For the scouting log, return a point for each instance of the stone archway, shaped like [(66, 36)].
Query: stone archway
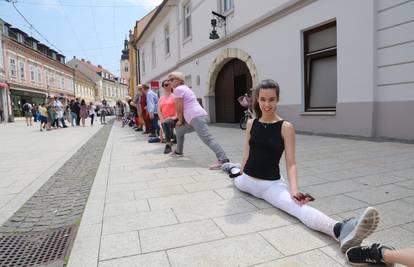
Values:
[(224, 57)]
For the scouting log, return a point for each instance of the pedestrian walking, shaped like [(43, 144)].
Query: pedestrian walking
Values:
[(27, 109), (267, 137), (167, 115), (84, 113), (43, 116), (92, 112), (103, 111), (192, 117)]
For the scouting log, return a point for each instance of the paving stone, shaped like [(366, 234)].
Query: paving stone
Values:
[(119, 245), (171, 181), (184, 200), (297, 238), (208, 185), (156, 259), (137, 221), (211, 210), (115, 209), (238, 251), (311, 258), (230, 193), (337, 204), (379, 179), (332, 188), (254, 221), (159, 192), (127, 187), (381, 194), (178, 235)]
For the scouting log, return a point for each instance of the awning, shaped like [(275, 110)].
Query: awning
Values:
[(4, 85)]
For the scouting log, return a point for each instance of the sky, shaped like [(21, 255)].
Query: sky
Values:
[(91, 29)]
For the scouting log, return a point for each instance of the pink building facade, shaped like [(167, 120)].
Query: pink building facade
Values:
[(32, 70)]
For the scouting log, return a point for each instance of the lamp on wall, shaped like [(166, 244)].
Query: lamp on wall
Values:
[(218, 21)]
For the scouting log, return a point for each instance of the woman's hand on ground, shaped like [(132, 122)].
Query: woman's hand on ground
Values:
[(299, 198)]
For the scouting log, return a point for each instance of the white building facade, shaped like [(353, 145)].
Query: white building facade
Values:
[(344, 67)]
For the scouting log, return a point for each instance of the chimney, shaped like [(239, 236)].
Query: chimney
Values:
[(88, 62), (74, 57), (83, 60), (99, 67)]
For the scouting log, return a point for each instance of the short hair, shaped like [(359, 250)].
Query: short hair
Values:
[(163, 82), (177, 75), (145, 86)]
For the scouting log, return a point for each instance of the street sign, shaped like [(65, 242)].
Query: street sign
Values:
[(155, 84)]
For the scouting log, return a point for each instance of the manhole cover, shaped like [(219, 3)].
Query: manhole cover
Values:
[(35, 248)]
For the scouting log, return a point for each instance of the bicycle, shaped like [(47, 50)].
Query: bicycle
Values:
[(247, 114), (244, 101)]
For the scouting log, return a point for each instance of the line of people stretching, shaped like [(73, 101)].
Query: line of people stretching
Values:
[(268, 137)]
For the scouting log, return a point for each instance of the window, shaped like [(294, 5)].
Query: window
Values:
[(187, 20), (153, 54), (62, 81), (126, 68), (227, 5), (47, 77), (20, 38), (320, 68), (188, 81), (21, 70), (167, 39), (32, 72), (39, 74), (13, 67), (143, 61)]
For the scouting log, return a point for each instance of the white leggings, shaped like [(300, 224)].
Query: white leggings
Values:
[(277, 194)]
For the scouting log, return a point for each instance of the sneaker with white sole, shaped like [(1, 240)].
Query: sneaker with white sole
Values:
[(363, 255), (217, 164), (354, 230), (176, 154), (228, 166)]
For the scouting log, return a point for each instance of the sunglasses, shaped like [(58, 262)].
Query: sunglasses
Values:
[(171, 79), (165, 84)]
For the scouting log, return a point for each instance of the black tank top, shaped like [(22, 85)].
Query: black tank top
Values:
[(266, 148)]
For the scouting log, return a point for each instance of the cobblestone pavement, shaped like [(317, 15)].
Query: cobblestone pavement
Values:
[(147, 209), (61, 200)]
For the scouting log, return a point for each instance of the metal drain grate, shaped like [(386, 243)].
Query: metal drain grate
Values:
[(35, 248)]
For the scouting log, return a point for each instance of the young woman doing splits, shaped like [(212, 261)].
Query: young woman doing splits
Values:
[(267, 137)]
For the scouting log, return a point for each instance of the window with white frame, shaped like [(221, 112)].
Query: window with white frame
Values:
[(187, 20), (13, 69), (227, 5), (47, 76), (320, 68), (39, 74), (167, 39), (143, 60), (32, 72), (21, 70), (188, 81), (153, 54), (62, 81)]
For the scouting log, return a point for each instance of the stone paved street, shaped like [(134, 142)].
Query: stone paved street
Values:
[(28, 158), (147, 209)]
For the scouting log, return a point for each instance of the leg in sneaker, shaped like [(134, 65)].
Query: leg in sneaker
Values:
[(353, 230), (362, 255), (217, 164)]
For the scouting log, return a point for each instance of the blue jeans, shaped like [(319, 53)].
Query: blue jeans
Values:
[(74, 118), (155, 125)]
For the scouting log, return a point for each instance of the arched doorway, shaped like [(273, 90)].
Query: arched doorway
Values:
[(233, 80)]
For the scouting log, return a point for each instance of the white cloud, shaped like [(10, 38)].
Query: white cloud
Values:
[(147, 4)]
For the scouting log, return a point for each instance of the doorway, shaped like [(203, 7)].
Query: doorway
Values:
[(233, 80)]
